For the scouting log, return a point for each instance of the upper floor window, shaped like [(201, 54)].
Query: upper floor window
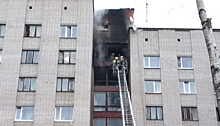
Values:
[(110, 122), (65, 84), (152, 86), (63, 114), (27, 84), (68, 31), (151, 62), (184, 62), (187, 87), (217, 113), (154, 112), (106, 101), (30, 56), (0, 56), (32, 31), (67, 57), (24, 114), (189, 114), (2, 30)]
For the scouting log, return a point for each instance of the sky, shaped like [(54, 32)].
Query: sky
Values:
[(165, 13)]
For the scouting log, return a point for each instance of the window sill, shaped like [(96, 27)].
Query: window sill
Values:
[(154, 119), (151, 67), (29, 63), (190, 120), (66, 63), (68, 37), (187, 93), (24, 120), (63, 120), (185, 68), (153, 93), (27, 91)]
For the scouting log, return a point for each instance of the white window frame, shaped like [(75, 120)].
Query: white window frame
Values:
[(149, 58), (181, 63), (60, 113), (184, 87), (71, 31), (20, 119), (154, 87), (37, 29)]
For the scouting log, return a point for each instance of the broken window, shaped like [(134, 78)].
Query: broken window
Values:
[(67, 57), (68, 31), (30, 57), (152, 86), (0, 56), (154, 113), (184, 62), (32, 31), (65, 84), (189, 114), (27, 84), (187, 87), (63, 114), (2, 30), (24, 114), (151, 62)]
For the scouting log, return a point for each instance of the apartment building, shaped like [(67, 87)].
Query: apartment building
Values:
[(55, 68)]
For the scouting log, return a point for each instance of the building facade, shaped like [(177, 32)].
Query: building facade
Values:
[(56, 69)]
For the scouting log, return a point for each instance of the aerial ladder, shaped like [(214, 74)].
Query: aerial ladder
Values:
[(120, 70)]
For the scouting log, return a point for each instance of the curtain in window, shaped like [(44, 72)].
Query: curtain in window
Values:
[(67, 113), (194, 113), (73, 57), (29, 57), (159, 113), (32, 31), (71, 84), (153, 112), (148, 113), (33, 84), (38, 31), (74, 31), (65, 85), (36, 55), (66, 57), (23, 58), (68, 30), (60, 57), (20, 84), (59, 84), (26, 84)]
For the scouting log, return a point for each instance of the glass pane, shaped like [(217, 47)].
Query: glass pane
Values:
[(33, 84), (68, 31), (62, 31), (38, 32), (74, 31), (32, 31), (28, 113), (67, 113), (36, 55), (149, 86), (148, 113), (114, 122), (186, 84), (99, 109), (192, 87), (2, 30), (23, 57), (18, 113), (194, 114), (99, 99), (66, 57), (73, 57), (154, 62), (29, 57), (181, 87), (153, 113), (59, 84), (113, 99), (114, 109), (26, 84), (146, 62), (20, 84), (187, 62), (157, 87), (98, 122), (159, 113), (57, 113), (71, 84), (60, 57), (0, 56), (65, 85)]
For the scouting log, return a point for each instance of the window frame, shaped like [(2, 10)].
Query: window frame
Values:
[(149, 62), (60, 114), (2, 25), (63, 57), (67, 85), (21, 111), (27, 30), (181, 62), (189, 87), (106, 120), (190, 110), (156, 107), (154, 87), (32, 58), (30, 84), (66, 31)]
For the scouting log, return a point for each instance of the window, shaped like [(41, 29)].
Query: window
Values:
[(24, 114), (151, 62), (189, 114), (187, 87), (110, 122), (27, 84), (32, 31), (64, 114), (2, 30), (30, 57), (0, 56), (154, 113), (106, 101), (65, 84), (68, 31), (152, 86), (184, 62), (67, 57)]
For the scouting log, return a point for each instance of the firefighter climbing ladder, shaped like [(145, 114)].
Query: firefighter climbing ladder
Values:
[(126, 107)]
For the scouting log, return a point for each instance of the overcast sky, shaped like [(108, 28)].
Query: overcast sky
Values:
[(166, 13)]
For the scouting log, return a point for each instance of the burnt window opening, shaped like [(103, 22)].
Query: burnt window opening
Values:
[(30, 7), (65, 8)]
